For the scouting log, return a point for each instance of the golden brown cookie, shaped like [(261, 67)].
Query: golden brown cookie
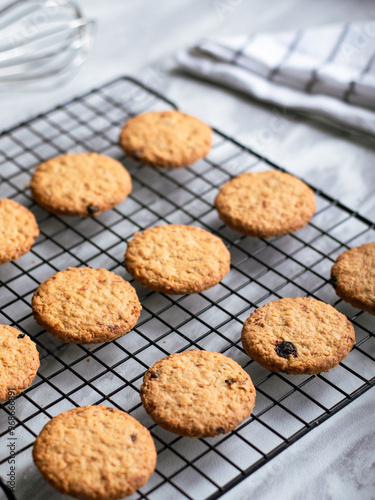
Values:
[(177, 259), (95, 453), (353, 277), (19, 362), (168, 139), (82, 184), (86, 306), (300, 336), (18, 229), (265, 204), (198, 393)]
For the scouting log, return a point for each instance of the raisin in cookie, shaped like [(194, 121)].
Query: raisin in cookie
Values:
[(168, 139), (177, 259), (265, 204), (198, 393), (300, 336), (82, 184), (353, 277), (86, 306), (95, 453)]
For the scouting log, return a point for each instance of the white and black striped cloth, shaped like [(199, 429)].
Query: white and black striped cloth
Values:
[(327, 72)]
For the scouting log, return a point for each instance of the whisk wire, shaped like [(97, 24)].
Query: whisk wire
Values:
[(41, 39)]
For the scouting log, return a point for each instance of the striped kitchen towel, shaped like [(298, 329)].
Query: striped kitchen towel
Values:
[(326, 72)]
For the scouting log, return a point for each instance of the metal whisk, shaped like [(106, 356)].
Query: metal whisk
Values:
[(42, 42)]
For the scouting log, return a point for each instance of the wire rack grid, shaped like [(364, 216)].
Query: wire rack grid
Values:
[(287, 406)]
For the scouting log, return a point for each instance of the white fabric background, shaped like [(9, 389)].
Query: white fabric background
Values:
[(325, 72), (132, 35)]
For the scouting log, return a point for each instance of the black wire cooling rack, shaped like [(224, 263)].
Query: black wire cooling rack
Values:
[(287, 406)]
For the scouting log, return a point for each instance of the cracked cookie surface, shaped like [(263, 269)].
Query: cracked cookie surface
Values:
[(198, 393), (81, 184), (19, 361), (353, 277), (177, 259), (168, 139), (300, 335), (18, 230), (86, 306), (95, 453), (265, 204)]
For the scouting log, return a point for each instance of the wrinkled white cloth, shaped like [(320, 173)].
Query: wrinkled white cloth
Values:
[(327, 72)]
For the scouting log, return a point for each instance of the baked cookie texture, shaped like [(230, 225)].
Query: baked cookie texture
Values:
[(177, 259), (168, 139), (300, 335), (19, 361), (353, 277), (86, 306), (95, 453), (81, 184), (198, 393), (265, 204), (18, 230)]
